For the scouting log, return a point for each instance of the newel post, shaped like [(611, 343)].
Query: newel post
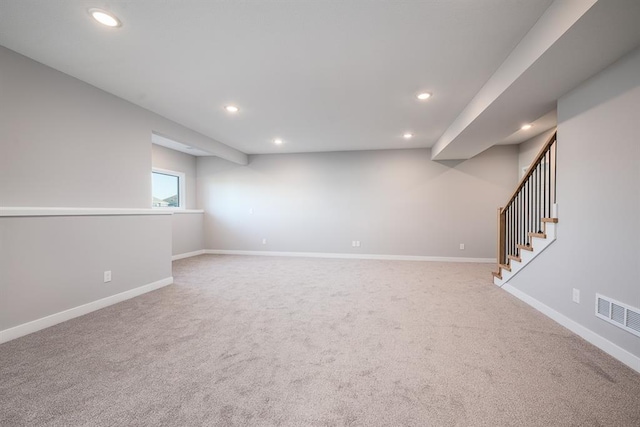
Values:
[(502, 225)]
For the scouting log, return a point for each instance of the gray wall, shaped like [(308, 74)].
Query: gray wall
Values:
[(186, 228), (64, 143), (51, 264), (528, 150), (67, 143), (187, 232), (395, 202), (597, 246)]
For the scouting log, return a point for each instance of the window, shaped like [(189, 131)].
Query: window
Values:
[(167, 189)]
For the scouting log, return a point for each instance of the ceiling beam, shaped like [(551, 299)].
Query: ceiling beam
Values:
[(471, 132)]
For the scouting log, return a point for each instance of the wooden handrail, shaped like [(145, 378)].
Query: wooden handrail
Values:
[(534, 164)]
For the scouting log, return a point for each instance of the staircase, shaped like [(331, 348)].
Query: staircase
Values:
[(527, 224)]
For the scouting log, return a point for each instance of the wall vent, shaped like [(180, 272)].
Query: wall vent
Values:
[(619, 314)]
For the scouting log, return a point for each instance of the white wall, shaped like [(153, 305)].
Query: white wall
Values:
[(597, 247), (395, 202)]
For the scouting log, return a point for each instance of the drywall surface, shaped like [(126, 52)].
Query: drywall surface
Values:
[(187, 233), (51, 264), (528, 150), (65, 143), (598, 174), (395, 202), (186, 227), (166, 158), (559, 17)]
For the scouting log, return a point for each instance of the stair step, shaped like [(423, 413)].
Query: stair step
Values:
[(505, 266), (540, 235), (515, 258), (498, 275), (554, 220), (525, 247)]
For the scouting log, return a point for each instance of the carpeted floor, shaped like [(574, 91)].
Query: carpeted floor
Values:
[(315, 342)]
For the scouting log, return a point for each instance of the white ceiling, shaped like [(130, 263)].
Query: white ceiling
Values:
[(322, 75)]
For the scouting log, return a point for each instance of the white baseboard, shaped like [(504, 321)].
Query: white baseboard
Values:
[(54, 319), (602, 343), (187, 255), (350, 256)]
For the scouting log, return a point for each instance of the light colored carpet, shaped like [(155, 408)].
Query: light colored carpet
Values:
[(315, 342)]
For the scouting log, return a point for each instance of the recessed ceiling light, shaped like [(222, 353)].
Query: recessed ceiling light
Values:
[(277, 141), (526, 127), (232, 108), (105, 18), (407, 135), (424, 95)]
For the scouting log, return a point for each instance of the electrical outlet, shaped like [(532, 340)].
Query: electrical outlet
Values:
[(462, 246), (264, 241), (353, 243), (107, 276), (358, 243), (250, 211), (576, 295)]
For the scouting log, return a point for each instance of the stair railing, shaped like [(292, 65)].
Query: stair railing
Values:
[(533, 200)]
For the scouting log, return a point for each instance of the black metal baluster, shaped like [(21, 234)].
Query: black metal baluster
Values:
[(555, 169), (539, 199), (510, 231), (505, 250), (524, 214), (544, 188), (533, 201), (528, 199), (525, 218), (549, 180), (522, 218), (521, 215), (517, 212), (513, 235)]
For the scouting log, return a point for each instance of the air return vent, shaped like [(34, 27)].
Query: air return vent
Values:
[(619, 314)]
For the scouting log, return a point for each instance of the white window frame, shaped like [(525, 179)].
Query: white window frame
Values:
[(182, 196)]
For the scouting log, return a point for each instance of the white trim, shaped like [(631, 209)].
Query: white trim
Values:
[(45, 211), (54, 319), (187, 211), (599, 341), (350, 256), (187, 255)]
